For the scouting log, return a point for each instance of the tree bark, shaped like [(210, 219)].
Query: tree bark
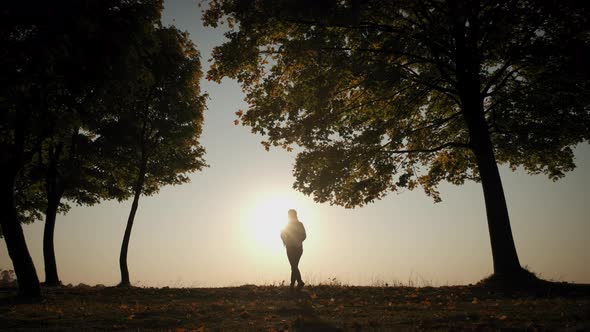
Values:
[(54, 190), (468, 67), (125, 282), (505, 258), (24, 268), (51, 276), (13, 159)]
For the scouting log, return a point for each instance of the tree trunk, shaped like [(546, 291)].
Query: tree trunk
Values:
[(24, 268), (505, 258), (51, 277), (13, 159), (54, 190), (125, 282), (503, 249), (468, 67)]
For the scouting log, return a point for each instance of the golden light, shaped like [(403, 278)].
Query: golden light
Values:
[(266, 218)]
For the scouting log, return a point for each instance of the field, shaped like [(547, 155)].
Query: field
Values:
[(316, 308)]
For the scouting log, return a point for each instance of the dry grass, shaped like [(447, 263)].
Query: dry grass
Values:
[(322, 307)]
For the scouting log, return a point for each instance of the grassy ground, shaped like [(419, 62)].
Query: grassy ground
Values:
[(317, 308)]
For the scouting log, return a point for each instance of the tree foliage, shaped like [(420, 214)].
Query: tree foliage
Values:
[(160, 121), (377, 92), (56, 60), (152, 139)]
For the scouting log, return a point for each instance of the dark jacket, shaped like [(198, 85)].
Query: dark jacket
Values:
[(294, 234)]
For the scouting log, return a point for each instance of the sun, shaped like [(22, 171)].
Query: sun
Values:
[(266, 218)]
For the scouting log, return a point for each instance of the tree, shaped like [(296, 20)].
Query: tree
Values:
[(384, 95), (29, 200), (69, 166), (155, 135), (54, 58)]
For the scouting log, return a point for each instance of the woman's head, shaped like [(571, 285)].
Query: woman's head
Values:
[(292, 215)]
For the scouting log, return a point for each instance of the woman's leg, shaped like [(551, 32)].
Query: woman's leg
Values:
[(293, 261), (298, 253)]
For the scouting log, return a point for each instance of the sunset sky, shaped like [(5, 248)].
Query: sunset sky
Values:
[(222, 229)]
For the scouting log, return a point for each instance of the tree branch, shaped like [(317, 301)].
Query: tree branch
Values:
[(446, 91), (503, 82), (359, 26), (431, 150), (372, 101), (436, 123), (496, 76)]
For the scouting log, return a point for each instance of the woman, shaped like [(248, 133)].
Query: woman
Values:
[(293, 236)]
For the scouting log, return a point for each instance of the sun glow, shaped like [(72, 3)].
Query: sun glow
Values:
[(266, 219)]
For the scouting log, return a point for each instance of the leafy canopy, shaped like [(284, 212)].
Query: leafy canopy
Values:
[(56, 61), (154, 133), (370, 90)]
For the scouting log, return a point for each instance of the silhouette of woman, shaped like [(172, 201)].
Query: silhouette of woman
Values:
[(293, 236)]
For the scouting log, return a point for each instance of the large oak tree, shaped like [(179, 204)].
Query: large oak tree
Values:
[(383, 95)]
